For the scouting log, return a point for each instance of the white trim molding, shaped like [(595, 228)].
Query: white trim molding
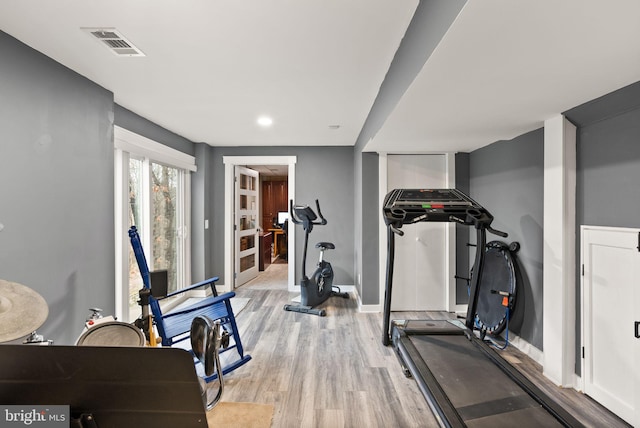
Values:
[(129, 145), (229, 163), (128, 141), (382, 229), (559, 259), (450, 242)]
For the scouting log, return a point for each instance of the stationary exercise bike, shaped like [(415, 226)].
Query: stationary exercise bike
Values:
[(319, 287)]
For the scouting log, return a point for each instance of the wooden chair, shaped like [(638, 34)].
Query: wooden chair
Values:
[(174, 325)]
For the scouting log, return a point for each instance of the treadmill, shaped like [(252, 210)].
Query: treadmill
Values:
[(463, 379)]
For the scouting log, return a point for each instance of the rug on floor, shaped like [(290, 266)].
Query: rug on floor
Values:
[(246, 415), (238, 304)]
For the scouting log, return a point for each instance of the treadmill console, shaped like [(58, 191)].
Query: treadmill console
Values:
[(406, 206)]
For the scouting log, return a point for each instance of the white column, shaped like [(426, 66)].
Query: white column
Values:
[(559, 251)]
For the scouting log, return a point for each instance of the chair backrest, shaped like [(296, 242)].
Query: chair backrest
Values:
[(160, 276), (136, 245)]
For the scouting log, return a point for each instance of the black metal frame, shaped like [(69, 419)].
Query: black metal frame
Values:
[(311, 291), (461, 209)]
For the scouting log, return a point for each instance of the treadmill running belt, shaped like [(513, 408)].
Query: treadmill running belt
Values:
[(483, 395)]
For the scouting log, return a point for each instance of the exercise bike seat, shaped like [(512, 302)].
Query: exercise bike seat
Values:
[(326, 245)]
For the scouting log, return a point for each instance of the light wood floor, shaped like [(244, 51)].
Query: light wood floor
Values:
[(334, 372)]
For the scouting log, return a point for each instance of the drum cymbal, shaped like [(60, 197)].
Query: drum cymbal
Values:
[(22, 310)]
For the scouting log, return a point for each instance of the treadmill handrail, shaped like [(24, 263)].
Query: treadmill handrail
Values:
[(467, 212)]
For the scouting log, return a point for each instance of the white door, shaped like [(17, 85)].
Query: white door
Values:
[(419, 275), (610, 311), (246, 225)]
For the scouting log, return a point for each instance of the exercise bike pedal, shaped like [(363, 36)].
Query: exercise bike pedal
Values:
[(337, 293)]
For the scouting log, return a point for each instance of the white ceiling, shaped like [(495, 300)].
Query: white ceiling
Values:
[(213, 66), (505, 66)]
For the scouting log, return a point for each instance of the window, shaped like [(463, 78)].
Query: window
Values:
[(152, 193)]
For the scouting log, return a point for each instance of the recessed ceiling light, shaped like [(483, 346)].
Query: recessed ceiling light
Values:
[(334, 126), (265, 121)]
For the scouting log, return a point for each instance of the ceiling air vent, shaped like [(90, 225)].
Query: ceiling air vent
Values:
[(114, 41)]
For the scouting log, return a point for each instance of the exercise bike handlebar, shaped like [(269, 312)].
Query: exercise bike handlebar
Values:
[(322, 221), (292, 215)]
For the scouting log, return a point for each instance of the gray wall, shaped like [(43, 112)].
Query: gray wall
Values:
[(56, 169), (607, 194), (463, 251), (323, 173), (609, 172), (368, 222), (507, 178), (608, 159), (201, 205), (135, 123), (608, 167), (57, 152)]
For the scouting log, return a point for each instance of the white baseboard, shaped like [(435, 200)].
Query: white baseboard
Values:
[(366, 308), (525, 347), (222, 288), (538, 356), (347, 288)]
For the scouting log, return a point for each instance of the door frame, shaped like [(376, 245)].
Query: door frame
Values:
[(450, 230), (230, 163)]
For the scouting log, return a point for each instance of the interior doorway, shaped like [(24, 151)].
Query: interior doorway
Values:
[(268, 165), (273, 214)]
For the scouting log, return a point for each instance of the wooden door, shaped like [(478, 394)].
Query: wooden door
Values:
[(267, 205), (611, 311), (281, 196), (275, 199)]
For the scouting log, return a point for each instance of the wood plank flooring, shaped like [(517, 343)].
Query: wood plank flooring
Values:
[(334, 372)]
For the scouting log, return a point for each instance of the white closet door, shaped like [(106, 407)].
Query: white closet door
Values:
[(419, 279), (610, 310)]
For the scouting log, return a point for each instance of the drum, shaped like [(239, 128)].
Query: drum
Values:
[(112, 333)]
